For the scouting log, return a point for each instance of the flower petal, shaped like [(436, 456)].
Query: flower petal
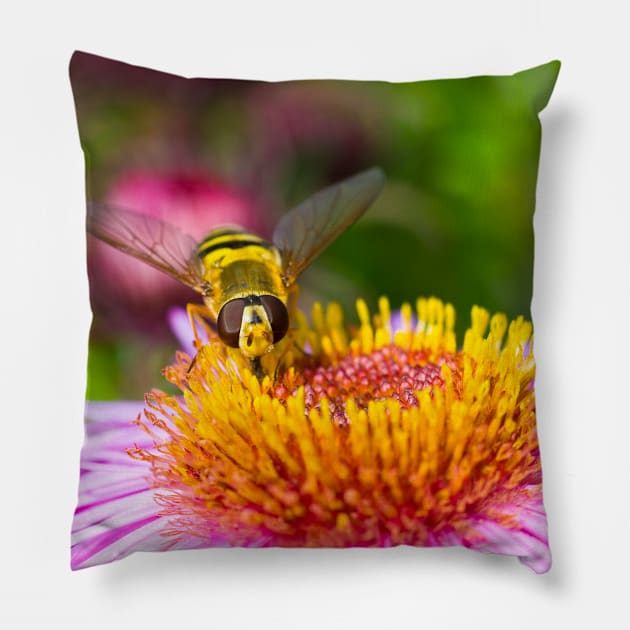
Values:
[(402, 402), (180, 326), (525, 538), (116, 512)]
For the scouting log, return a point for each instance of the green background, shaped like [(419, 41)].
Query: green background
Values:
[(455, 219)]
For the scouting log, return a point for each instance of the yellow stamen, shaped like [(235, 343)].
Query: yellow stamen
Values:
[(370, 439)]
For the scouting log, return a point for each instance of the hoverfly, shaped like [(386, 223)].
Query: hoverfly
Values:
[(245, 281)]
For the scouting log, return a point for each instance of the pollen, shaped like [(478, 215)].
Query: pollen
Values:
[(360, 435), (390, 373)]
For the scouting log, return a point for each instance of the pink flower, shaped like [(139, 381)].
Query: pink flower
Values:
[(117, 512), (300, 121), (380, 437)]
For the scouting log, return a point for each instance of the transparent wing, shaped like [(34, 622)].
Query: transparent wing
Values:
[(149, 239), (306, 230)]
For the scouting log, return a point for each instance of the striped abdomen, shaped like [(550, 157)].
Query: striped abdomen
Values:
[(237, 264)]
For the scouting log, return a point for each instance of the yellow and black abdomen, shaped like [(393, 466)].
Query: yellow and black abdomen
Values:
[(238, 264)]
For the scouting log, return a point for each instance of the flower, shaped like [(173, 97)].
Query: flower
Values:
[(127, 292), (376, 438), (117, 511), (333, 127)]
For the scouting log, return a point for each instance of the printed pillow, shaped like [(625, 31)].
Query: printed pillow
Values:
[(227, 408)]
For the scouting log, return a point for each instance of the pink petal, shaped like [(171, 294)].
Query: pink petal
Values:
[(180, 326), (527, 539), (116, 512)]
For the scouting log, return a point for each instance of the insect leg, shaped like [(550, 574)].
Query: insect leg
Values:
[(292, 298), (192, 364), (195, 313)]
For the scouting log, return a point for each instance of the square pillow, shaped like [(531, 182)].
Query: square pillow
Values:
[(275, 271)]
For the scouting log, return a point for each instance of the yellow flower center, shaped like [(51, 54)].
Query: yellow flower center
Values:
[(371, 438)]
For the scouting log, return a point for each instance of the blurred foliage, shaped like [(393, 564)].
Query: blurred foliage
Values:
[(455, 218)]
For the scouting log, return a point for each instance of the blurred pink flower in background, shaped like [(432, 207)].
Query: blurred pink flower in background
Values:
[(129, 293), (302, 130), (304, 115)]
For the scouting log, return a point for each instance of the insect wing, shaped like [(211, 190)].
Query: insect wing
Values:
[(149, 239), (306, 230)]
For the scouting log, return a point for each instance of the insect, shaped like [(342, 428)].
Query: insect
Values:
[(246, 282)]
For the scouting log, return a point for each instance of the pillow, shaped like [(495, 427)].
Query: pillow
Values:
[(225, 407)]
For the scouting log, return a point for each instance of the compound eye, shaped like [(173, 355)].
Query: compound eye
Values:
[(277, 314), (229, 322)]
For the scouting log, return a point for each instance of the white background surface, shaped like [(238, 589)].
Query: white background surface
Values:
[(580, 314)]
